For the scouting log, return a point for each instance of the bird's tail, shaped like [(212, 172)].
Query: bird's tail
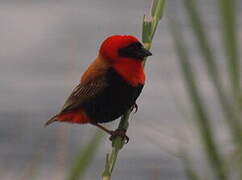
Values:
[(53, 119)]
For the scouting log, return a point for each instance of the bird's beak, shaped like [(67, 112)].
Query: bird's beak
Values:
[(145, 52), (142, 53)]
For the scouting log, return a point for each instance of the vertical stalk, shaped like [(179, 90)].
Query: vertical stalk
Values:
[(230, 111), (228, 22), (203, 120), (149, 27)]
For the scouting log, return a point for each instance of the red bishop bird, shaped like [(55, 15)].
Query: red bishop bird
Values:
[(110, 85)]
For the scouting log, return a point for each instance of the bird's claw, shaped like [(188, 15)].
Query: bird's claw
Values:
[(121, 133), (135, 108)]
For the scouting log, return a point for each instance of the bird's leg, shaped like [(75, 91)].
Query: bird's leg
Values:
[(102, 128), (135, 108), (117, 132)]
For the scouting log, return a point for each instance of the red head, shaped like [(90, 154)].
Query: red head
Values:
[(118, 47), (125, 54)]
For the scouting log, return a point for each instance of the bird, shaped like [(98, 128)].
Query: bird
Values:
[(109, 87)]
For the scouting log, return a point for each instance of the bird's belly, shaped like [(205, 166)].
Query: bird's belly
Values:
[(113, 102)]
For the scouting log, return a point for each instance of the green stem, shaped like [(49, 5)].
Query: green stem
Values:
[(149, 28)]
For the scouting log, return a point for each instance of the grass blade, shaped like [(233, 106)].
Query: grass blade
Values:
[(203, 120), (228, 21), (231, 115), (84, 158)]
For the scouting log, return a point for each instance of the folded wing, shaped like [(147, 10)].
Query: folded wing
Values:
[(83, 93)]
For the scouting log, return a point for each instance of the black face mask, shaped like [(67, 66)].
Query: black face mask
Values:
[(135, 51)]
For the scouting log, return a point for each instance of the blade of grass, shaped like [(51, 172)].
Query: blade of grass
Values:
[(203, 120), (231, 115), (227, 10), (84, 158), (228, 21)]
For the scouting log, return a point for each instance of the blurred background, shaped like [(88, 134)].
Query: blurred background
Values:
[(44, 48)]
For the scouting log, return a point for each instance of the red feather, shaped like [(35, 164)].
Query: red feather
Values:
[(132, 71), (74, 117)]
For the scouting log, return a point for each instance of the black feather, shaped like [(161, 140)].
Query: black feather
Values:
[(114, 100)]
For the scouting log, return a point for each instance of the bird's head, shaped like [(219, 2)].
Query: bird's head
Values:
[(118, 47)]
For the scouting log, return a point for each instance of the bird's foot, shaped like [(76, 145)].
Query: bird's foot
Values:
[(117, 132), (135, 108), (121, 133)]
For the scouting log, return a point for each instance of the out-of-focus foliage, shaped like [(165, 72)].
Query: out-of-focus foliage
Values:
[(228, 97), (84, 158)]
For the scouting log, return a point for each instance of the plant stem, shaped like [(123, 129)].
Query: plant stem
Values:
[(149, 27), (117, 145)]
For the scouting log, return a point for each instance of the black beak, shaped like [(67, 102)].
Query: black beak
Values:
[(143, 53)]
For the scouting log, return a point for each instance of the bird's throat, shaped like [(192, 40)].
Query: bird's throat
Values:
[(131, 70)]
